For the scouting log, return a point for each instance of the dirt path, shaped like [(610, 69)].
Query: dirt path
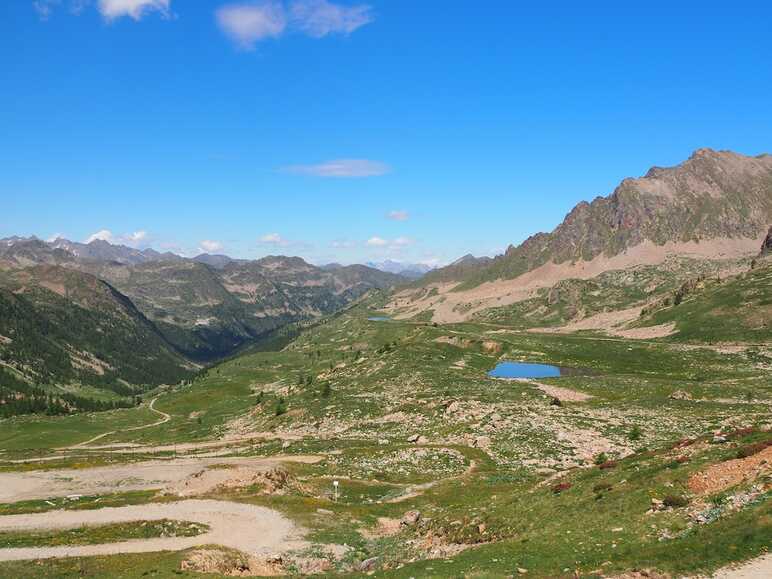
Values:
[(155, 474), (760, 568), (164, 418), (248, 528)]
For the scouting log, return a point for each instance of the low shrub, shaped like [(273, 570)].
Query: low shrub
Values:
[(751, 449), (560, 487), (675, 501)]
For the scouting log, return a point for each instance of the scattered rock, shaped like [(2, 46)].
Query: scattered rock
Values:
[(368, 564), (229, 564), (410, 518), (657, 505), (311, 565), (681, 395)]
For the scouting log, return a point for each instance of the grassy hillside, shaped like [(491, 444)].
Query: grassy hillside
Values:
[(61, 327), (735, 309), (510, 479)]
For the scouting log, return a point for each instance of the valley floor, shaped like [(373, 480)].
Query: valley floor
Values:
[(657, 457)]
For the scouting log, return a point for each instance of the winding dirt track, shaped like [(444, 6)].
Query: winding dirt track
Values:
[(164, 418), (248, 528)]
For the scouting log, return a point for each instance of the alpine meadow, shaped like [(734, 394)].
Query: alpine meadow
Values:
[(396, 289)]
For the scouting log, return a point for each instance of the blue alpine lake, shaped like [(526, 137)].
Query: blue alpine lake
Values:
[(526, 370)]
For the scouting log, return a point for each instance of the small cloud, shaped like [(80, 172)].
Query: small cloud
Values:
[(402, 242), (398, 215), (247, 23), (341, 168), (250, 22), (131, 239), (274, 239), (318, 18), (210, 246), (137, 236), (101, 235), (135, 9), (377, 242), (45, 7), (342, 244)]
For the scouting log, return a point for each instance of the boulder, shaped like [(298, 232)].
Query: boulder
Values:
[(410, 518)]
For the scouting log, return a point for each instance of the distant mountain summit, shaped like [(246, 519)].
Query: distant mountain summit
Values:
[(692, 207), (715, 205), (408, 270), (101, 250)]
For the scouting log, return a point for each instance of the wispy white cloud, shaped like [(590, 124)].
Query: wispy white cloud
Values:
[(109, 9), (398, 215), (136, 9), (394, 246), (248, 23), (210, 246), (343, 244), (45, 7), (275, 240), (376, 242), (137, 236), (318, 18), (101, 235), (131, 239), (341, 168)]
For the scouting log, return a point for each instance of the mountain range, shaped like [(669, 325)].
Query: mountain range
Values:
[(123, 319), (110, 315)]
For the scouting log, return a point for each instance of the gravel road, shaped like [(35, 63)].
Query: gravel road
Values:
[(248, 528)]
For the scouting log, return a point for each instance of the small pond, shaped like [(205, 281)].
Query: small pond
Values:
[(379, 318), (507, 369)]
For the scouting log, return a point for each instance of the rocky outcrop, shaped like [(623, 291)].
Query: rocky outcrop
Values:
[(766, 246)]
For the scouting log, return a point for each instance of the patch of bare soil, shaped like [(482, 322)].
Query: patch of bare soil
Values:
[(156, 474), (760, 568), (727, 474), (276, 481), (562, 394), (256, 531), (607, 321), (230, 564), (648, 333), (449, 306), (385, 527)]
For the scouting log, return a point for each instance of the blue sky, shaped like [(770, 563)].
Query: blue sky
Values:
[(351, 131)]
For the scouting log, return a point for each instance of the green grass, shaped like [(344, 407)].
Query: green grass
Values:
[(736, 309), (374, 384), (95, 535)]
